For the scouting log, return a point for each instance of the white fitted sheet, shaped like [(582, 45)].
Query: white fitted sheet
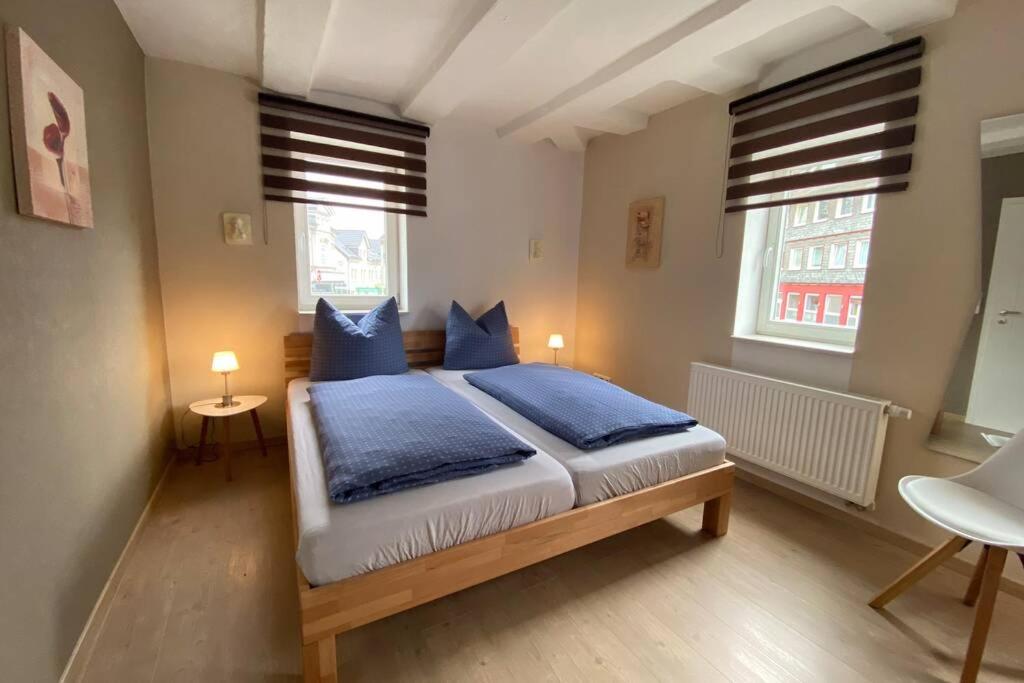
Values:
[(338, 541), (606, 472)]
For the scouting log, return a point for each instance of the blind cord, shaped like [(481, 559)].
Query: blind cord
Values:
[(720, 234)]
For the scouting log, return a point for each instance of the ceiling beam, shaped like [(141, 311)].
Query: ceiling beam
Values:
[(292, 33), (486, 41)]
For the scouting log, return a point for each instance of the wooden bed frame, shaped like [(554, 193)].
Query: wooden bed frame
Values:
[(332, 609)]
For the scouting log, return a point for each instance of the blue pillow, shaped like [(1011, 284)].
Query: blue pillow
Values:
[(478, 344), (343, 349)]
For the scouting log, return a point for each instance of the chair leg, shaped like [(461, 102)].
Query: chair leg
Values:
[(983, 618), (971, 596), (928, 563)]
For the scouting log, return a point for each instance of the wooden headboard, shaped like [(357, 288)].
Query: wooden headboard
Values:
[(423, 348)]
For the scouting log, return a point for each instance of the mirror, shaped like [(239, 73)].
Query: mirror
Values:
[(984, 402)]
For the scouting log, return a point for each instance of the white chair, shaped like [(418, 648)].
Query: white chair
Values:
[(985, 505)]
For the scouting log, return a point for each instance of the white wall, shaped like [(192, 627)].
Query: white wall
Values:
[(487, 199)]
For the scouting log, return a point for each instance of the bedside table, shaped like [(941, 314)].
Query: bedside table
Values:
[(209, 411)]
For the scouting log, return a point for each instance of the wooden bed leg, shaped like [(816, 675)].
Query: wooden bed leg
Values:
[(320, 661), (716, 515)]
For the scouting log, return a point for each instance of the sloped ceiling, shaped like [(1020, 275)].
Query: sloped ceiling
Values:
[(565, 70)]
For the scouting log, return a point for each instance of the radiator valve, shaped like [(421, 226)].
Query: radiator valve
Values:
[(893, 410)]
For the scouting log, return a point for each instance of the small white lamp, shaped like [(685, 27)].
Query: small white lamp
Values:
[(225, 363), (556, 342)]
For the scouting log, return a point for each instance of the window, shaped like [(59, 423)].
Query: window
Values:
[(837, 256), (853, 312), (802, 261), (810, 308), (796, 257), (860, 254), (844, 207), (358, 260), (814, 257), (868, 203), (792, 305), (820, 211), (833, 309)]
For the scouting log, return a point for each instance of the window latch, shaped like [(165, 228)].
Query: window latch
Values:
[(768, 257)]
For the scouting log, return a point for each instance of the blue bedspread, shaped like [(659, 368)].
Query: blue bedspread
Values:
[(387, 433), (581, 409)]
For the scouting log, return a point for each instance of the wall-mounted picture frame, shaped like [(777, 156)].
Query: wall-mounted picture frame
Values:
[(643, 233), (51, 159)]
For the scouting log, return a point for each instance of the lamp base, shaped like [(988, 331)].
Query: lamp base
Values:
[(227, 402)]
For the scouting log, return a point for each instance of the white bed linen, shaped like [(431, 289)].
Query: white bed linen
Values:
[(338, 541), (605, 472)]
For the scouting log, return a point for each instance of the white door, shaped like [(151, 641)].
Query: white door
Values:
[(997, 391)]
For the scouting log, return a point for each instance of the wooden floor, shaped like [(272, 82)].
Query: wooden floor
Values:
[(209, 595)]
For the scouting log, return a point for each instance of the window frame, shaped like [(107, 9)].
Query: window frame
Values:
[(801, 218), (796, 309), (858, 262), (819, 249), (395, 244), (836, 248), (814, 216), (817, 303), (797, 252), (839, 207), (839, 313), (772, 268), (868, 203), (857, 301)]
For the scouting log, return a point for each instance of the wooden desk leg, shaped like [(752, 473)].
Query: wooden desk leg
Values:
[(983, 618), (202, 440), (259, 431), (227, 446)]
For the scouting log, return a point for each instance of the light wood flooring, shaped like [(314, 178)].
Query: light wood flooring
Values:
[(209, 595)]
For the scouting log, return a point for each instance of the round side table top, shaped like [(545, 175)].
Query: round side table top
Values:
[(208, 407)]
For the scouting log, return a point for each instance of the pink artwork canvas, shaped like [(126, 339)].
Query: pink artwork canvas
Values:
[(51, 161)]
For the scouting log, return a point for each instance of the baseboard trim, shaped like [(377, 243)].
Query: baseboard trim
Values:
[(82, 652), (960, 566)]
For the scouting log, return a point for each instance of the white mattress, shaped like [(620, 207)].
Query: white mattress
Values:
[(606, 472), (337, 541)]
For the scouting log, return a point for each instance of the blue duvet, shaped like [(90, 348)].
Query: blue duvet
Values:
[(387, 433), (581, 409)]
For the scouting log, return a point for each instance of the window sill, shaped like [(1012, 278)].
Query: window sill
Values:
[(803, 345)]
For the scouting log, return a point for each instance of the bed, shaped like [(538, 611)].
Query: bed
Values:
[(608, 472), (386, 572)]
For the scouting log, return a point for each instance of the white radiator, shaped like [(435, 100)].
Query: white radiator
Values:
[(826, 439)]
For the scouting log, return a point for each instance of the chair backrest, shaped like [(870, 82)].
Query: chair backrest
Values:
[(1002, 475)]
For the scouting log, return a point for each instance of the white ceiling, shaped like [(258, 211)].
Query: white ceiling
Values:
[(531, 69)]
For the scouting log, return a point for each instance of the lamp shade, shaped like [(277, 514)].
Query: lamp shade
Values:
[(224, 361), (555, 341)]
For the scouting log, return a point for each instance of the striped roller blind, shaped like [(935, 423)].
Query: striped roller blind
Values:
[(839, 132), (314, 154)]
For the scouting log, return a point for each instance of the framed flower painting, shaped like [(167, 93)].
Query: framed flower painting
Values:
[(51, 161)]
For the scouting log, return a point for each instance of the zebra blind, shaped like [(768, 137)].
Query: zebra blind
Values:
[(842, 131), (315, 154)]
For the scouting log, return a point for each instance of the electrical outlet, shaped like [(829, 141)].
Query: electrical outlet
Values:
[(536, 250)]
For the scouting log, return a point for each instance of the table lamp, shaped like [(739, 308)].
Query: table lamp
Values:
[(556, 342), (225, 363)]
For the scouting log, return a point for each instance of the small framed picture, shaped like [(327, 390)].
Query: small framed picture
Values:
[(643, 233), (237, 229)]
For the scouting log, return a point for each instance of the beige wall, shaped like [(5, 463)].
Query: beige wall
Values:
[(84, 403), (644, 328), (487, 199)]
